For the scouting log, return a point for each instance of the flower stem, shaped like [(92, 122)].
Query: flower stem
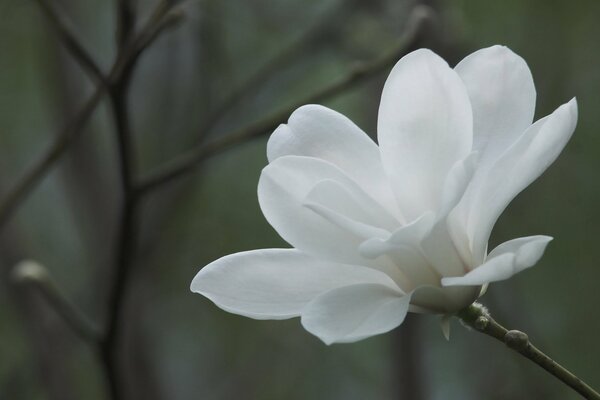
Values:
[(477, 317)]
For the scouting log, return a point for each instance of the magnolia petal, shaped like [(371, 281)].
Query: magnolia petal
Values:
[(528, 250), (424, 128), (442, 252), (502, 95), (355, 227), (518, 167), (504, 261), (456, 183), (352, 313), (450, 235), (403, 249), (409, 235), (317, 131), (357, 204), (282, 190), (276, 283), (495, 269)]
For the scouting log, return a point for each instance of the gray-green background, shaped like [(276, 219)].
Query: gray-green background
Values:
[(180, 346)]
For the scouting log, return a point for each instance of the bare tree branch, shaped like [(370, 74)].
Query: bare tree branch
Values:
[(69, 39), (161, 20)]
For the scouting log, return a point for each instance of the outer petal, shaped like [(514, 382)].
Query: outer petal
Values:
[(502, 95), (282, 191), (504, 261), (516, 168), (352, 313), (424, 128), (317, 131), (276, 283)]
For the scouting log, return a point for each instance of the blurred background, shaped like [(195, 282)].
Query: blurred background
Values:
[(222, 67)]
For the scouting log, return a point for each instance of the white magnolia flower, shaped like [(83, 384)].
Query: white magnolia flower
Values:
[(382, 230)]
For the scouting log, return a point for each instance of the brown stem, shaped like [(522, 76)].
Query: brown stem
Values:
[(477, 317)]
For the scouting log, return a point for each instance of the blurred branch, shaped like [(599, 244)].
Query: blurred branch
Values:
[(407, 359), (186, 162), (125, 21), (32, 273), (315, 31), (477, 317), (126, 238), (161, 19), (70, 41), (47, 340)]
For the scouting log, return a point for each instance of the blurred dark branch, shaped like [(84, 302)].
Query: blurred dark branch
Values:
[(36, 275), (314, 32), (126, 237), (48, 338), (407, 370), (186, 162), (125, 21), (69, 39), (162, 18)]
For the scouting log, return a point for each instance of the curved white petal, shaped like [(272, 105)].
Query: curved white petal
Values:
[(409, 235), (495, 269), (502, 95), (352, 313), (276, 283), (354, 204), (516, 168), (528, 250), (456, 183), (443, 254), (504, 261), (403, 248), (282, 190), (317, 131), (353, 226), (424, 128)]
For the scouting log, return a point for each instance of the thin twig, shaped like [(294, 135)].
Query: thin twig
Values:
[(478, 317), (32, 273), (69, 39), (38, 169), (187, 161)]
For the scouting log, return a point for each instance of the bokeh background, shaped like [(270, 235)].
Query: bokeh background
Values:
[(176, 345)]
